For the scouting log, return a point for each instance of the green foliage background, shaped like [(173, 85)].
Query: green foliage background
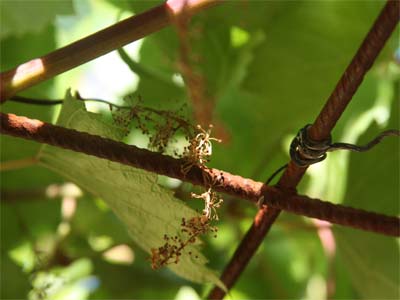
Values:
[(270, 66)]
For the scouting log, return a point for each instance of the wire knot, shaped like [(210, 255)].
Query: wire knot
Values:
[(305, 151)]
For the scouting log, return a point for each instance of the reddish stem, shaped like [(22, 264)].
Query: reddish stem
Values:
[(95, 45)]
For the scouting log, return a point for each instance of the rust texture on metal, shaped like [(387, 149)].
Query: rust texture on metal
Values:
[(249, 244), (336, 214), (224, 182), (320, 130), (283, 196), (127, 154), (351, 79), (263, 221)]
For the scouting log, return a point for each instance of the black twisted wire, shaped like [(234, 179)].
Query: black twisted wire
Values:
[(305, 151)]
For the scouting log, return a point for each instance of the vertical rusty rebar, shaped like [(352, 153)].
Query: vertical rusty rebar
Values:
[(326, 120)]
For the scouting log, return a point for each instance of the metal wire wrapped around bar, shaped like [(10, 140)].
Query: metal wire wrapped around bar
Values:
[(304, 151)]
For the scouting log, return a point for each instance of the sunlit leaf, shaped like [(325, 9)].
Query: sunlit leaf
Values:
[(148, 210)]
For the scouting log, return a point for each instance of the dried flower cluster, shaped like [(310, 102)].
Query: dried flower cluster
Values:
[(197, 153), (160, 125), (173, 248)]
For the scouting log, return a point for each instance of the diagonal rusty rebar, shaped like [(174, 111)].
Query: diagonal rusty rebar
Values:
[(320, 130), (224, 182)]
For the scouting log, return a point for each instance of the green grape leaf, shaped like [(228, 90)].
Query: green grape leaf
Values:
[(148, 210), (21, 17), (372, 260), (290, 75), (91, 219), (273, 83)]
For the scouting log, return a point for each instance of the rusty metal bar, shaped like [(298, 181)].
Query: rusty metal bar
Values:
[(354, 74), (326, 120), (225, 182), (336, 214), (42, 132)]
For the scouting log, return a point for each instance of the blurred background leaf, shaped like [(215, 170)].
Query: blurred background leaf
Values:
[(21, 17)]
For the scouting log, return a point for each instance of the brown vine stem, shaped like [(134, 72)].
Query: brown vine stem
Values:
[(95, 45), (224, 182), (194, 81), (320, 130)]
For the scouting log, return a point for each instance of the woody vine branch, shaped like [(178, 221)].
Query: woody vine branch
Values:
[(111, 38)]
